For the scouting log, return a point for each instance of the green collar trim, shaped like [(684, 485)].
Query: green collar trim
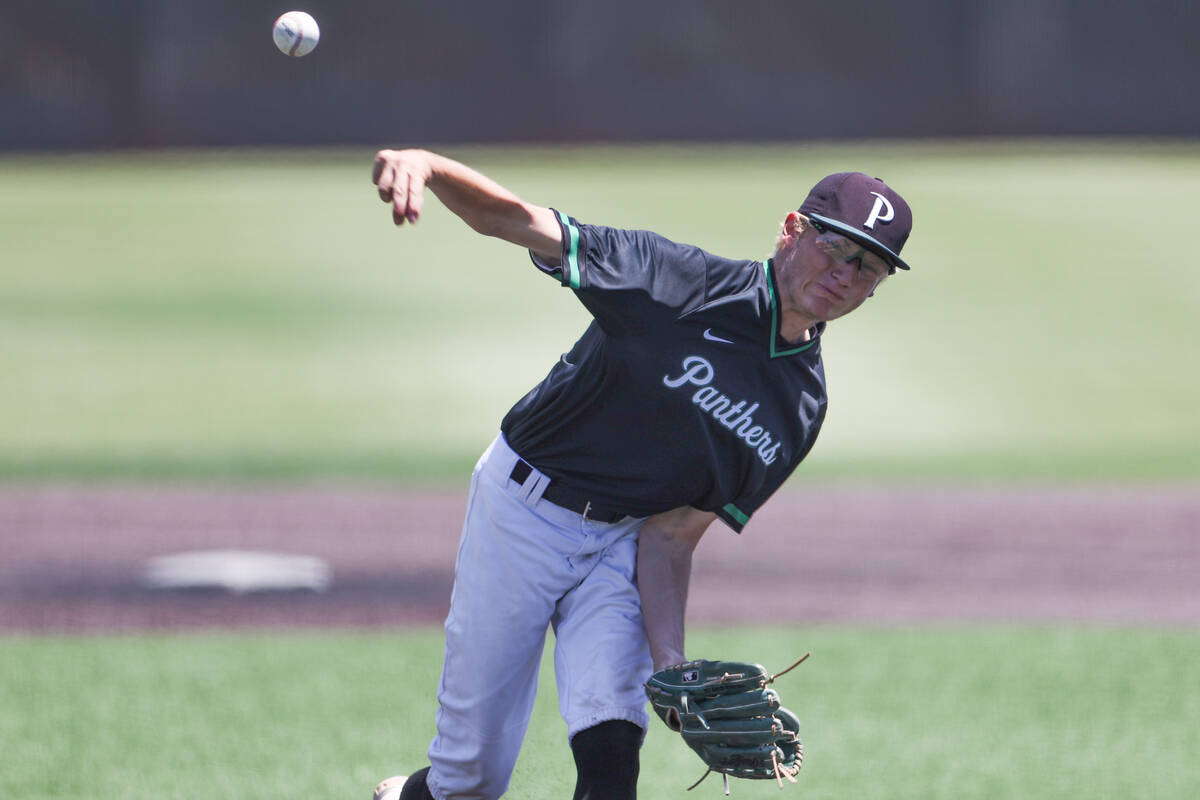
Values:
[(775, 353)]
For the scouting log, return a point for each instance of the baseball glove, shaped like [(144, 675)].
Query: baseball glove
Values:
[(727, 713)]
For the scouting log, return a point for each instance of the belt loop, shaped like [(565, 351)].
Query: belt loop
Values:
[(531, 482), (536, 488)]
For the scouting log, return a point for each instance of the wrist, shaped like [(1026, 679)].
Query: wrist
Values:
[(670, 658)]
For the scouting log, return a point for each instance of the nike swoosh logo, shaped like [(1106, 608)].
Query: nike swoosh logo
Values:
[(712, 337)]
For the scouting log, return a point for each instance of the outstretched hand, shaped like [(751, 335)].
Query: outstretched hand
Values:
[(401, 176)]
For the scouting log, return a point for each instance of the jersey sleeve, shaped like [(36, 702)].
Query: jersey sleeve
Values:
[(627, 279), (737, 513)]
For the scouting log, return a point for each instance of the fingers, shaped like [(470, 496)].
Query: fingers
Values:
[(416, 198), (398, 183), (398, 195)]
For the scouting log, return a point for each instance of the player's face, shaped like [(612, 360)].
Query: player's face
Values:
[(824, 275)]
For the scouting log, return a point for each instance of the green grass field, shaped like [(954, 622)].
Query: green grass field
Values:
[(939, 713), (254, 314)]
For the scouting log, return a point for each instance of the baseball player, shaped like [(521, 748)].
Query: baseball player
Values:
[(692, 395)]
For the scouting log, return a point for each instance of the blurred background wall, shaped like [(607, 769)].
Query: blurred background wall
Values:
[(129, 73)]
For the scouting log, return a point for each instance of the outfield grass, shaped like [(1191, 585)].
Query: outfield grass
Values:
[(254, 313), (1020, 713)]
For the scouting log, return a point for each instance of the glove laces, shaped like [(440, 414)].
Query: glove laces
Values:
[(781, 770)]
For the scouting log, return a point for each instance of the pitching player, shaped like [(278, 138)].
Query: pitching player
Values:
[(692, 395)]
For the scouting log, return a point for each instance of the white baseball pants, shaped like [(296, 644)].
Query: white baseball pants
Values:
[(525, 563)]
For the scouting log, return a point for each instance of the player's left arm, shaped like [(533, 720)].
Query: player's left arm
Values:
[(664, 569)]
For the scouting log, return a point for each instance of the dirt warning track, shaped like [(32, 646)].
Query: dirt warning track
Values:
[(75, 558)]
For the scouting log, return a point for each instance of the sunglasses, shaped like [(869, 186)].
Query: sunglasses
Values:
[(846, 249)]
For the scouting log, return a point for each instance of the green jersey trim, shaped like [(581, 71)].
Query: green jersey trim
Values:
[(741, 516), (572, 265), (775, 318)]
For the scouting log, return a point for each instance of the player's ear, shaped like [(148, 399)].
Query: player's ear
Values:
[(794, 225)]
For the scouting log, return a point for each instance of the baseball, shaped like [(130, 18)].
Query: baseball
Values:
[(296, 33)]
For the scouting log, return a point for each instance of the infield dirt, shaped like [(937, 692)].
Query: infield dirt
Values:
[(74, 557)]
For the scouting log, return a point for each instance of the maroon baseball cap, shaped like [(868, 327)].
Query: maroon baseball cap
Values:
[(864, 209)]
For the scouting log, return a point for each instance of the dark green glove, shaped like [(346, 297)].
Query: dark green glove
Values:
[(727, 713)]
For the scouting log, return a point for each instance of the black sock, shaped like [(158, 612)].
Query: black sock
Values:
[(606, 758), (415, 787)]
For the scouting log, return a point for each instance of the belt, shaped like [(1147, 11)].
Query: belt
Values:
[(566, 498)]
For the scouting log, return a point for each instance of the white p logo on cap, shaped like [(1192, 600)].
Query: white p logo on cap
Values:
[(882, 211)]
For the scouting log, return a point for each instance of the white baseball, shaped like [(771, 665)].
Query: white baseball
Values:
[(296, 33)]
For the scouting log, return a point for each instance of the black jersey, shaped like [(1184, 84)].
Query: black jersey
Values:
[(681, 392)]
